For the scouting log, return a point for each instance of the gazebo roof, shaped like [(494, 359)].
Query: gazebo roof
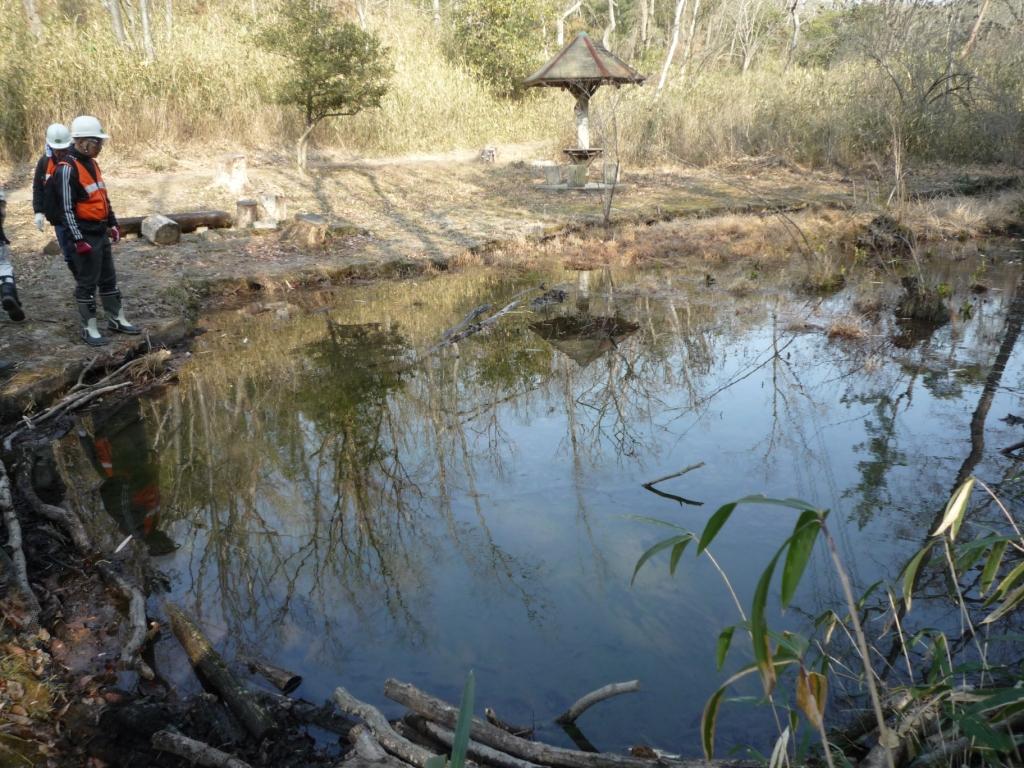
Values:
[(583, 62)]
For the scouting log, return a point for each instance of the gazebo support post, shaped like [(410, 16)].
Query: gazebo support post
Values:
[(582, 112)]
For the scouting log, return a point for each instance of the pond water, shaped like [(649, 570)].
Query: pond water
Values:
[(327, 490)]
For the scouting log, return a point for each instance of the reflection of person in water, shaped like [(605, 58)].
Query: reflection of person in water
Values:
[(131, 485)]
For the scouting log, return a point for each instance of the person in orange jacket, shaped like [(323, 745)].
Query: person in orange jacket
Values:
[(92, 226)]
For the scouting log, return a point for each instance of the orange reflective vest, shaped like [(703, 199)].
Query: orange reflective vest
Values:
[(96, 206), (50, 168)]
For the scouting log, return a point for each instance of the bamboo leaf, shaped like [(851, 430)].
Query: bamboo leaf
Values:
[(811, 693), (1009, 580), (955, 509), (724, 641), (436, 761), (460, 739), (800, 546), (677, 552), (759, 626), (714, 525), (910, 573), (1015, 598), (708, 720), (983, 733), (659, 547), (995, 559)]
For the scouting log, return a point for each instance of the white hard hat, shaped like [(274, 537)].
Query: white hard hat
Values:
[(58, 136), (87, 127)]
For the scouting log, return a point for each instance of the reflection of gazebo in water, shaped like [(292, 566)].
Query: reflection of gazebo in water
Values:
[(581, 68), (582, 337)]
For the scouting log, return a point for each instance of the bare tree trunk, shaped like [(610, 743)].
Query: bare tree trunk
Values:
[(606, 38), (35, 24), (437, 14), (645, 24), (969, 45), (688, 50), (361, 14), (116, 22), (561, 20), (680, 7), (169, 19), (794, 19), (147, 37)]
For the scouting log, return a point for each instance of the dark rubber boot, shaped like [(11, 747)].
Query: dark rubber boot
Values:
[(9, 297)]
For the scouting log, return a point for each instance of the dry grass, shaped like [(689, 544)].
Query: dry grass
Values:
[(847, 327), (965, 217)]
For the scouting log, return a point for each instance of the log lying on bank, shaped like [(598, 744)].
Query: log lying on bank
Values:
[(189, 221), (160, 230), (195, 751), (474, 749), (215, 672), (388, 738), (595, 697), (525, 731), (536, 752)]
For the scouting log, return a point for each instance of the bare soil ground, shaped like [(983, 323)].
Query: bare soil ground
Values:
[(415, 213)]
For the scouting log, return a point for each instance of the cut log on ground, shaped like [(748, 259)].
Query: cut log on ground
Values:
[(195, 751), (275, 207), (536, 752), (595, 697), (246, 213), (209, 663), (388, 738), (312, 229), (283, 680), (474, 749), (161, 230), (189, 221)]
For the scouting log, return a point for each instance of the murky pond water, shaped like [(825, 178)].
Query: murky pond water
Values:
[(326, 491)]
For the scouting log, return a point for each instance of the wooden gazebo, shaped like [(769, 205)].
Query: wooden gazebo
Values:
[(581, 68)]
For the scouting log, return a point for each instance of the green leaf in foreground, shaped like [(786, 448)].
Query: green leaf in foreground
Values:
[(724, 641), (955, 510), (800, 546), (674, 541), (910, 573), (461, 738)]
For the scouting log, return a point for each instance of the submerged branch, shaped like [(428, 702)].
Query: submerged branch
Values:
[(595, 697)]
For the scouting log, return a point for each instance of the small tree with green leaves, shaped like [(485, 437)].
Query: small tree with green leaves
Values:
[(335, 69), (498, 40)]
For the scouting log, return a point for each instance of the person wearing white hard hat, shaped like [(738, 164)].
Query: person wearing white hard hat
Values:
[(91, 225), (58, 140)]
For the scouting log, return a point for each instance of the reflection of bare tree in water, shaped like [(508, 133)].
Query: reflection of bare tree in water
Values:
[(300, 491)]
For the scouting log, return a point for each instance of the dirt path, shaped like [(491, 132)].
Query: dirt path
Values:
[(416, 212)]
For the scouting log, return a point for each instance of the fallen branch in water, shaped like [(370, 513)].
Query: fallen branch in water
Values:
[(17, 555), (516, 730), (388, 738), (195, 751), (595, 697), (650, 486)]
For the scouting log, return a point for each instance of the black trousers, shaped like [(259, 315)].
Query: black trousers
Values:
[(94, 271)]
